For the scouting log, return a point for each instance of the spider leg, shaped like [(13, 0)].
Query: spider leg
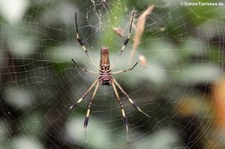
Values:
[(126, 40), (81, 42), (131, 101), (85, 94), (125, 120), (83, 68), (88, 111), (121, 71)]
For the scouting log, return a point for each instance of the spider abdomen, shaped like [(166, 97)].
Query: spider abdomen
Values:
[(104, 59)]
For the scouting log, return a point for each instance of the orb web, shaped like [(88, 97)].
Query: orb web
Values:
[(183, 47)]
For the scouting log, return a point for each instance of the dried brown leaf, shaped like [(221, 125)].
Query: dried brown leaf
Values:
[(218, 98), (140, 29), (118, 31)]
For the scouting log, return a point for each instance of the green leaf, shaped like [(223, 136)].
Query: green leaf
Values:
[(198, 73)]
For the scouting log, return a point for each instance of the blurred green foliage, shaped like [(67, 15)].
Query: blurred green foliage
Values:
[(184, 49)]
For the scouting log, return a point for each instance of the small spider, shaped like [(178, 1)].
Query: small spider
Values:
[(105, 78)]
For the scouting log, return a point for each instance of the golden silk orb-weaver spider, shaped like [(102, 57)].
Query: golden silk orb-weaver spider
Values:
[(105, 78)]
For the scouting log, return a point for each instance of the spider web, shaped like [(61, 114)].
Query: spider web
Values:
[(183, 45)]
